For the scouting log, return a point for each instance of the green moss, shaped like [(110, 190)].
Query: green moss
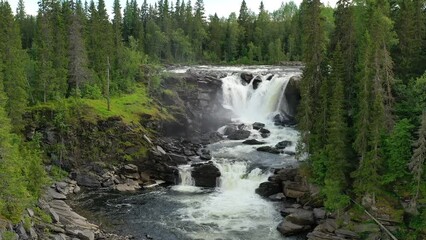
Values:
[(8, 235), (42, 215), (27, 223), (57, 173)]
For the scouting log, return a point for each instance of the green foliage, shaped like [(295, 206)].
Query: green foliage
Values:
[(35, 174), (57, 173), (335, 199), (43, 215), (8, 235), (92, 91), (398, 152)]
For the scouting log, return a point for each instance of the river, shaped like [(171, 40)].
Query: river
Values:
[(231, 211)]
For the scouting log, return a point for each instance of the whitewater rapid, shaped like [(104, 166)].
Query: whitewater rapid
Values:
[(233, 209)]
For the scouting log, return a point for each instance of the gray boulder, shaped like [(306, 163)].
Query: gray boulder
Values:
[(87, 179), (283, 144), (287, 228), (301, 217), (258, 125), (267, 189), (268, 149), (253, 142), (205, 174), (239, 135), (246, 77)]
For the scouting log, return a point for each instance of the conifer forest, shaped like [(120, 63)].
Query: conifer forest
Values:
[(361, 117)]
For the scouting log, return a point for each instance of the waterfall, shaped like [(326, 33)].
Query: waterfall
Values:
[(186, 182), (251, 105)]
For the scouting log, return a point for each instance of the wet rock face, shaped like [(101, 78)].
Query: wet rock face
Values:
[(239, 135), (196, 104), (205, 174), (267, 189), (246, 77), (292, 94)]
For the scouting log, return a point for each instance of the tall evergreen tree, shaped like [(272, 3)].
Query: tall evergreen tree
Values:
[(78, 65), (417, 162), (13, 59), (313, 132), (337, 137), (100, 41), (376, 75)]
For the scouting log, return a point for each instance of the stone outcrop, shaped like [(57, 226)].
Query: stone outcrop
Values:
[(239, 134), (55, 219), (253, 142), (205, 174), (292, 95)]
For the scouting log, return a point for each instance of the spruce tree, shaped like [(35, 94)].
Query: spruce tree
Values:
[(78, 70), (335, 181), (312, 110), (417, 162), (14, 60)]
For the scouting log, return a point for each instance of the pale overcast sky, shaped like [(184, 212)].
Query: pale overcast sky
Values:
[(222, 7)]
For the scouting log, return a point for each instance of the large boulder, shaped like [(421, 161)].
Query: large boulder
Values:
[(230, 129), (287, 228), (268, 149), (295, 190), (178, 159), (264, 132), (253, 142), (292, 95), (204, 154), (87, 179), (205, 174), (284, 119), (246, 77), (285, 174), (267, 189), (283, 144), (301, 217), (258, 125), (256, 82), (239, 135)]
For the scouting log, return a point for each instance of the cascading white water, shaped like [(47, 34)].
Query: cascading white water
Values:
[(234, 209), (249, 104), (186, 182)]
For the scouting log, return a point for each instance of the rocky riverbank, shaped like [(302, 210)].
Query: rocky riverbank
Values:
[(304, 213), (53, 218)]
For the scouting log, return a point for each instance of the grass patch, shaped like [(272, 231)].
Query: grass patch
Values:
[(129, 107)]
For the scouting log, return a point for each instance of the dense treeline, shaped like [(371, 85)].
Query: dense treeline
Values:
[(363, 89), (363, 94)]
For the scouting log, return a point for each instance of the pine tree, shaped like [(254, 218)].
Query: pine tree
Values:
[(14, 60), (375, 75), (14, 197), (199, 33), (345, 35), (78, 65), (231, 38), (417, 162), (337, 138), (99, 41), (410, 25), (312, 110)]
